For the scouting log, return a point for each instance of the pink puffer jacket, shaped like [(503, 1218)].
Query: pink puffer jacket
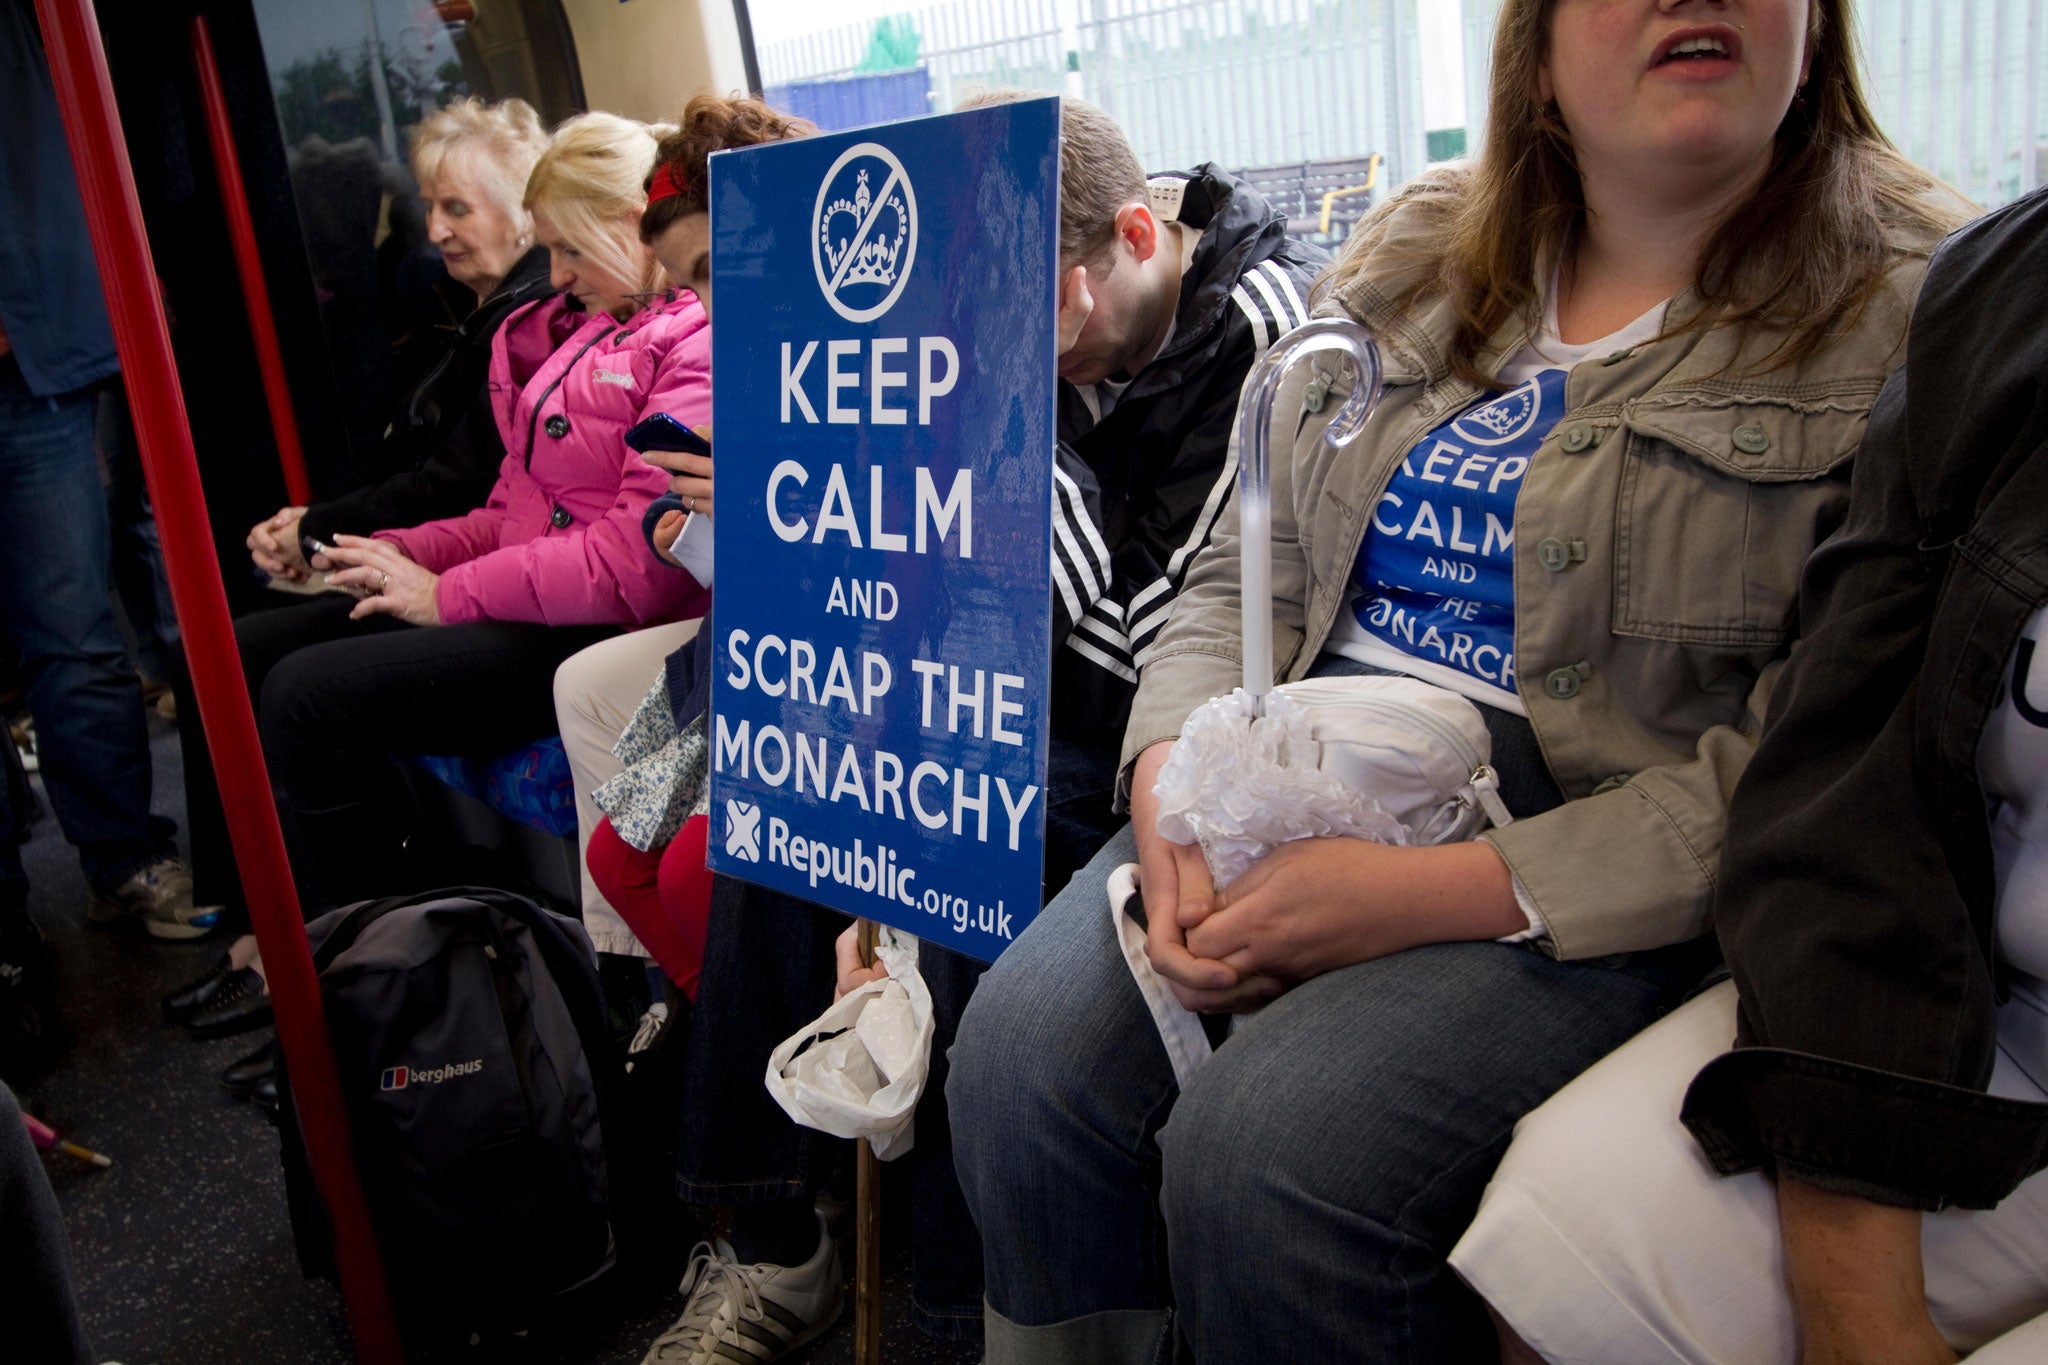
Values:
[(559, 541)]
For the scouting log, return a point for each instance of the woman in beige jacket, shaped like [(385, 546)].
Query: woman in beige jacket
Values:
[(1630, 353)]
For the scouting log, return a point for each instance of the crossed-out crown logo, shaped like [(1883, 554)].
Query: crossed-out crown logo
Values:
[(1504, 419), (864, 232), (401, 1077)]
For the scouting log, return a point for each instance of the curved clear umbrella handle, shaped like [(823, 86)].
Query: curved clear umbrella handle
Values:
[(1255, 478)]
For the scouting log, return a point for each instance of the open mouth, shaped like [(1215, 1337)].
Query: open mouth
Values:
[(1697, 46)]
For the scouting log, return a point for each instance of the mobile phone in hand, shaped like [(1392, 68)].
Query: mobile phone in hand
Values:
[(663, 432)]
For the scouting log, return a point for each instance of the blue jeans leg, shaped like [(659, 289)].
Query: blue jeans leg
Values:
[(1320, 1168), (1314, 1177), (54, 556), (1059, 1085)]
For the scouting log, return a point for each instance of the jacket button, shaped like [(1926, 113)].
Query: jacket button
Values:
[(560, 517), (1318, 390), (1751, 440), (558, 426), (1553, 554), (1577, 437), (1563, 683)]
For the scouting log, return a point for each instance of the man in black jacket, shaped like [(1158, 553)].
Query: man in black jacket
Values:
[(1170, 290)]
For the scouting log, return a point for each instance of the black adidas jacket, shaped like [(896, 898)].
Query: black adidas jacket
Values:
[(1135, 495)]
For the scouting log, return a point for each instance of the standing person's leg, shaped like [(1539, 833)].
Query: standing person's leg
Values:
[(334, 715), (87, 703), (1059, 1086), (37, 1303), (138, 556), (1321, 1166), (596, 692)]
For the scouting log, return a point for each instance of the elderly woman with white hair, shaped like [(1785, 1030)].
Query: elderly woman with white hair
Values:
[(471, 161)]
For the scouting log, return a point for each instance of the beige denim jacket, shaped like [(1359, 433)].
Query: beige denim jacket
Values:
[(1659, 534)]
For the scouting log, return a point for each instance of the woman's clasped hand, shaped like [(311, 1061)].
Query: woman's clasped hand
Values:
[(387, 580)]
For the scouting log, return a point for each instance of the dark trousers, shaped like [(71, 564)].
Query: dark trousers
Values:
[(768, 971), (54, 566), (338, 700), (37, 1302)]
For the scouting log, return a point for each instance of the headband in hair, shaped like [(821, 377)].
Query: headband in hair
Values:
[(665, 185)]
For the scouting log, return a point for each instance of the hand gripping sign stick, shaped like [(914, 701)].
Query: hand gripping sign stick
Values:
[(1255, 475), (106, 183)]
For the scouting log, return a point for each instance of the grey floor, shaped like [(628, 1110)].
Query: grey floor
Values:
[(183, 1252)]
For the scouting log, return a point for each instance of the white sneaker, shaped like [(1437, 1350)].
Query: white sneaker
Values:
[(160, 896), (750, 1313)]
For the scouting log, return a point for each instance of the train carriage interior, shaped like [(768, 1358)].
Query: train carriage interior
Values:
[(190, 1246)]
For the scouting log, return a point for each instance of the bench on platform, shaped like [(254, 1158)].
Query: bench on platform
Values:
[(1323, 200)]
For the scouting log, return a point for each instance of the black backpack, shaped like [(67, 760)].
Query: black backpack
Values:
[(470, 1034)]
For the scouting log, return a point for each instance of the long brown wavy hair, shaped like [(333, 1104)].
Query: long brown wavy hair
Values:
[(1801, 257)]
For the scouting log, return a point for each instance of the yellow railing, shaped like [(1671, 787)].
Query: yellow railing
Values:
[(1372, 179)]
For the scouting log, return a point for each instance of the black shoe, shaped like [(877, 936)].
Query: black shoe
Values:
[(241, 1003), (263, 1095), (245, 1073), (194, 996)]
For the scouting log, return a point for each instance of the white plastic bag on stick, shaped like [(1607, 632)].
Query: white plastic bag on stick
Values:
[(857, 1069)]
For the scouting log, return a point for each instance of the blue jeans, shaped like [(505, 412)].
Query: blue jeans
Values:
[(1299, 1201), (54, 556)]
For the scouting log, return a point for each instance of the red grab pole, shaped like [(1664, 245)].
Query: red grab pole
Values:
[(106, 182), (234, 199)]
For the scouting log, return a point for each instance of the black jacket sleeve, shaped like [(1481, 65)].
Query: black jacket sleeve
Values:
[(453, 479), (1857, 891), (1087, 596)]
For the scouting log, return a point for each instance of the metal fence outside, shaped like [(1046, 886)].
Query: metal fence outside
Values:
[(1239, 82), (1960, 85), (967, 45), (1261, 83)]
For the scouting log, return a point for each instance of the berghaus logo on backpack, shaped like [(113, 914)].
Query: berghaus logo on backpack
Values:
[(400, 1077)]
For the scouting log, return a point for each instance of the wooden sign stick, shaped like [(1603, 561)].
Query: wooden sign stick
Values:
[(867, 1271)]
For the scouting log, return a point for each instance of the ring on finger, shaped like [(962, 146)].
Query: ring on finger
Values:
[(384, 586), (690, 502)]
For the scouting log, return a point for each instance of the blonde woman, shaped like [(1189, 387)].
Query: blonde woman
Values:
[(1637, 340)]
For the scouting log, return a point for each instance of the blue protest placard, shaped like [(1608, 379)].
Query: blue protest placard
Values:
[(882, 387)]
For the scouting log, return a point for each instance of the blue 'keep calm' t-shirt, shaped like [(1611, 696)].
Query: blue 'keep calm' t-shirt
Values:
[(1434, 588)]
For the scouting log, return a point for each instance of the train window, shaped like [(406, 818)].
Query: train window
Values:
[(349, 82), (1325, 104)]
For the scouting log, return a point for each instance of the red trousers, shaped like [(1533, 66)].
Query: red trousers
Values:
[(664, 895)]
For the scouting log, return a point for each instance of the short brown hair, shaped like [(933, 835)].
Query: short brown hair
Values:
[(1099, 174), (711, 123)]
